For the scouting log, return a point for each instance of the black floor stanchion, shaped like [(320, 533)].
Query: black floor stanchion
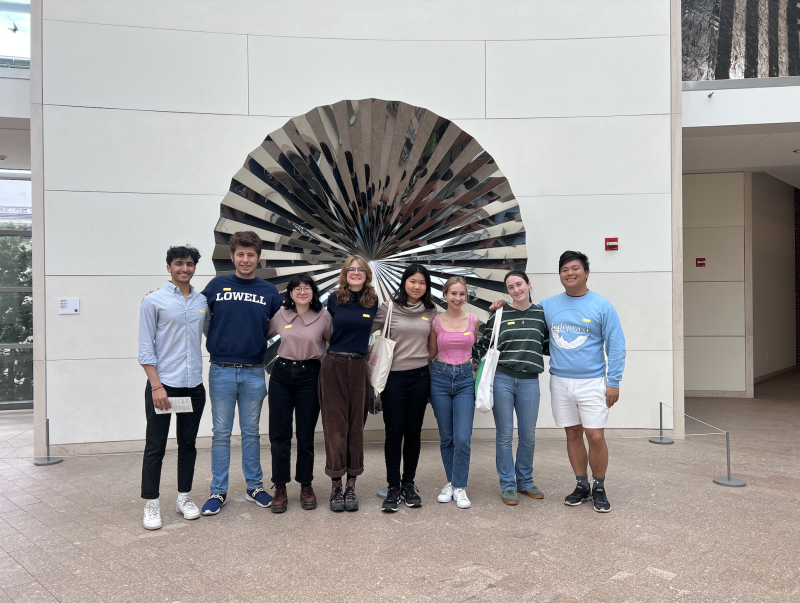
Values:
[(47, 460), (660, 439), (729, 482)]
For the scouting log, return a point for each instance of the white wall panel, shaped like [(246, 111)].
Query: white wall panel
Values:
[(643, 302), (410, 20), (445, 77), (713, 309), (527, 78), (138, 68), (723, 249), (108, 323), (139, 228), (713, 200), (640, 222), (15, 97), (715, 363), (744, 106), (147, 152), (581, 156)]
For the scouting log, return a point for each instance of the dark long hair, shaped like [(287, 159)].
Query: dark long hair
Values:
[(401, 297), (520, 274), (297, 280)]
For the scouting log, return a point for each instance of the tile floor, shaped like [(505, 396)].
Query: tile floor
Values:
[(72, 532)]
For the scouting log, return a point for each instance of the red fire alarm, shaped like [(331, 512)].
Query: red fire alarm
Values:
[(612, 244), (700, 262)]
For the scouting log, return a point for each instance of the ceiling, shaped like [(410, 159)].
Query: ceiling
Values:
[(758, 148), (15, 142)]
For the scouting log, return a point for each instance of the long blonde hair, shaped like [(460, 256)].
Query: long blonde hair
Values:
[(343, 293)]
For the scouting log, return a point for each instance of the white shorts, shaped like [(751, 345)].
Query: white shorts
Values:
[(579, 402)]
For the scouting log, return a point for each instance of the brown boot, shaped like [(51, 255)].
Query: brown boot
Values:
[(308, 500), (279, 499), (350, 500), (337, 497)]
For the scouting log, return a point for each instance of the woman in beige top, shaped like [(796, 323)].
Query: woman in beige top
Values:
[(305, 330), (408, 387)]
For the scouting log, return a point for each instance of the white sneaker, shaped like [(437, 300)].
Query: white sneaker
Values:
[(447, 494), (460, 495), (152, 516), (188, 508)]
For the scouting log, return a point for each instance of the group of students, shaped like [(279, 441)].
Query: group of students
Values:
[(322, 366)]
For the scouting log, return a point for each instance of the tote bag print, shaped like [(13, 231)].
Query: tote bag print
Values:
[(484, 382), (380, 359)]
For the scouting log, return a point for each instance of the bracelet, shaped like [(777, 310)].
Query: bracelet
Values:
[(152, 389)]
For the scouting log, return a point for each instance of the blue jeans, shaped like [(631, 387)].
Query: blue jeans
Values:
[(228, 385), (521, 395), (453, 402)]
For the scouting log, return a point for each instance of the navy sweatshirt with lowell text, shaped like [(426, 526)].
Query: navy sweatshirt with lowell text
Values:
[(240, 313)]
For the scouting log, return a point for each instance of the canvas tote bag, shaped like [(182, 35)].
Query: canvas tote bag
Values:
[(380, 359), (484, 382)]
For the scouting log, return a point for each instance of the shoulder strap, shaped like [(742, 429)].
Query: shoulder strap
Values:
[(386, 325), (498, 320), (471, 327), (437, 325)]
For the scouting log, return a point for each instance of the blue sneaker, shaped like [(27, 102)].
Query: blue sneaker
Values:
[(259, 496), (214, 504)]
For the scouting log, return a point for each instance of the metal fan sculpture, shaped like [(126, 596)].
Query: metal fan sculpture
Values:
[(394, 183)]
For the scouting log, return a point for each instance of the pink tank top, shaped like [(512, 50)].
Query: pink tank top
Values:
[(455, 348)]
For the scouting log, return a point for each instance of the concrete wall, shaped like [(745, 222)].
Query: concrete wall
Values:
[(774, 315), (148, 113), (714, 296)]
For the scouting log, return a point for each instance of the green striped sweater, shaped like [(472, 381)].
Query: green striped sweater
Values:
[(523, 342)]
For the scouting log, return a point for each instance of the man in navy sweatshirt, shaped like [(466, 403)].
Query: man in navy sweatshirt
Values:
[(241, 307)]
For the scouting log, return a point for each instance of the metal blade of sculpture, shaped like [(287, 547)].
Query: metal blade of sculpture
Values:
[(394, 183)]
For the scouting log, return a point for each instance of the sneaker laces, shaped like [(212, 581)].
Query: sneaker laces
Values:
[(219, 497), (448, 489), (151, 510), (599, 495), (188, 504), (459, 494), (350, 494), (256, 492), (336, 494)]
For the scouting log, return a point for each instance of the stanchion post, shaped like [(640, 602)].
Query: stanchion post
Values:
[(47, 460), (729, 482), (661, 439)]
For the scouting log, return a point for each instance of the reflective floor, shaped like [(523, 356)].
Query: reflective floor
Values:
[(72, 532)]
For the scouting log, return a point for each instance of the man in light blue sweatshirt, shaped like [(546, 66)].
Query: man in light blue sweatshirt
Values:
[(584, 330)]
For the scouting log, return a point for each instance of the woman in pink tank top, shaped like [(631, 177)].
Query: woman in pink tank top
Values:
[(453, 389)]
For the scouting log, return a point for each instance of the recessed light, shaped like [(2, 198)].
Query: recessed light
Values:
[(796, 151)]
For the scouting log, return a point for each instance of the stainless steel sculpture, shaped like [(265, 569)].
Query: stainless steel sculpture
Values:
[(392, 182)]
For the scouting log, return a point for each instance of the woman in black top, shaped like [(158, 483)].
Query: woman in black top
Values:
[(344, 387)]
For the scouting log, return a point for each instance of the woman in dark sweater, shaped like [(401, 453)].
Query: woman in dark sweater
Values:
[(344, 387)]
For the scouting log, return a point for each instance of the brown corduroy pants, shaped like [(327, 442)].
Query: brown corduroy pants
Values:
[(344, 400)]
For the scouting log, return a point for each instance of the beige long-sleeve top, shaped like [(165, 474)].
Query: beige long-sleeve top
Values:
[(410, 329), (303, 336)]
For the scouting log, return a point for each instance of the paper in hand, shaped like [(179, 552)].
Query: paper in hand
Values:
[(178, 405)]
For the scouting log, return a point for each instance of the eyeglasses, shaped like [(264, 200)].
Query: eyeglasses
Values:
[(302, 290), (359, 270)]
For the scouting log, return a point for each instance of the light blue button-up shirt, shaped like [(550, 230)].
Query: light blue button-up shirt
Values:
[(171, 333)]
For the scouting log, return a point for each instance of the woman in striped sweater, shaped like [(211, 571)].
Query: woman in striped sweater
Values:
[(522, 343)]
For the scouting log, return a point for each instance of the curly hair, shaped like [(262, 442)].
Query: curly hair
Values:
[(245, 238), (182, 251), (343, 294)]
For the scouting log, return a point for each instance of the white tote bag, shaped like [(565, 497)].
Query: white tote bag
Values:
[(380, 359), (484, 382)]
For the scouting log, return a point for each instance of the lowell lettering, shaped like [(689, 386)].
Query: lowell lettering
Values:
[(238, 296)]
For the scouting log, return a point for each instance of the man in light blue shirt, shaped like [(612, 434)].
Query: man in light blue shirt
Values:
[(171, 323)]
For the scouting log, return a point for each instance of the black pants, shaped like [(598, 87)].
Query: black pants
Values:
[(157, 432), (404, 401), (293, 393)]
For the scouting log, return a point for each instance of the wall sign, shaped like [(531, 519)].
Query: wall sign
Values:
[(700, 262), (69, 305), (612, 244)]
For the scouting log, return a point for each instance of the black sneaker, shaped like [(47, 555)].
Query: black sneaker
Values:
[(337, 498), (601, 504), (409, 494), (392, 500), (578, 496)]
